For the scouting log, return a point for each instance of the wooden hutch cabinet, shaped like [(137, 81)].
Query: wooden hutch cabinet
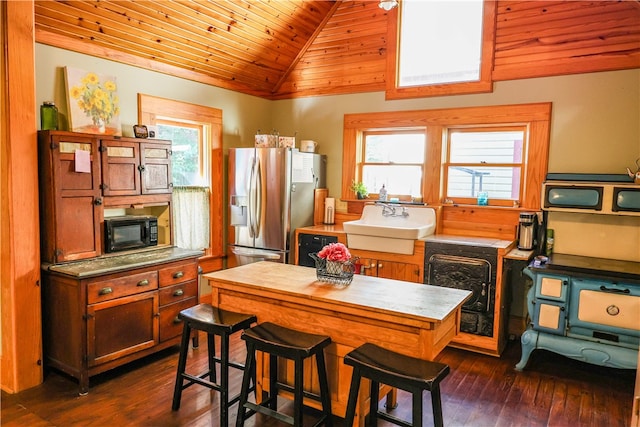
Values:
[(120, 173), (103, 310)]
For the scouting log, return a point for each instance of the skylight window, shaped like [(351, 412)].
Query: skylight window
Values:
[(440, 42)]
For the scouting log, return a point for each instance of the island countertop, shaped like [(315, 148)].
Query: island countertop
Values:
[(405, 299)]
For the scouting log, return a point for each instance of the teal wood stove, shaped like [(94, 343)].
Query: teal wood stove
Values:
[(584, 308)]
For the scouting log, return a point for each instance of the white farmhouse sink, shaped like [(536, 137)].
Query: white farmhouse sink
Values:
[(390, 233)]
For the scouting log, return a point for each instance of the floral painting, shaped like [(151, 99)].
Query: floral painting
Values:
[(94, 105)]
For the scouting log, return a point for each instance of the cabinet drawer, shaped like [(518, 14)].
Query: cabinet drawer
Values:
[(177, 273), (175, 293), (170, 325), (105, 290)]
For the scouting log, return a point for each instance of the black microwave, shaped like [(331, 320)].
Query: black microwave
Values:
[(128, 232)]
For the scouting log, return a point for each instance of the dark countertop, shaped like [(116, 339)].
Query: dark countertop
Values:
[(589, 266), (115, 263)]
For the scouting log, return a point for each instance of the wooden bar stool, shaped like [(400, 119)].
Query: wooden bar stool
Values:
[(213, 321), (278, 341), (396, 370)]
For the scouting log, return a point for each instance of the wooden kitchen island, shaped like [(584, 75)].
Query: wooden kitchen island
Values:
[(409, 318)]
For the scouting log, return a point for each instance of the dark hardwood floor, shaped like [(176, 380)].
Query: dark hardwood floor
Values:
[(479, 391)]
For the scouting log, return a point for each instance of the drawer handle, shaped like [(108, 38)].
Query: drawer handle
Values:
[(144, 282), (177, 320), (612, 290), (178, 275), (178, 293), (106, 291)]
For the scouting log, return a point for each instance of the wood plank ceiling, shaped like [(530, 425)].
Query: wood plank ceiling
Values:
[(280, 49), (251, 45)]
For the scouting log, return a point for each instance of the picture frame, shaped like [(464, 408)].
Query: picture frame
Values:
[(140, 131), (93, 102)]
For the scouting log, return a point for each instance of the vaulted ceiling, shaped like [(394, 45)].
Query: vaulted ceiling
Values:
[(280, 49), (250, 46)]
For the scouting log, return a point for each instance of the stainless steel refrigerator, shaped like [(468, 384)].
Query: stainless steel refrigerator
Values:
[(271, 193)]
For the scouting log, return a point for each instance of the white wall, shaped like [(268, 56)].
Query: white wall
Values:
[(242, 115)]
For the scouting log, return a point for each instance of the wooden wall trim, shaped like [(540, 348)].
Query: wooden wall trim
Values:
[(20, 261)]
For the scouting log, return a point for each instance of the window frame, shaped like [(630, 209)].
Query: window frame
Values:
[(537, 118), (484, 85), (149, 109), (447, 164)]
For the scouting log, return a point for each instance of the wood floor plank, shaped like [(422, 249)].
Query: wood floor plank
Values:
[(480, 391)]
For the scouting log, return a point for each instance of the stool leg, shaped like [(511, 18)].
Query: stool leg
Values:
[(436, 403), (417, 408), (325, 398), (374, 397), (182, 363), (353, 398), (244, 391), (297, 392), (224, 379), (211, 343), (273, 382)]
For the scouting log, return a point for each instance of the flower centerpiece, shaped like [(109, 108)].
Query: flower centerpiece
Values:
[(333, 264), (335, 252)]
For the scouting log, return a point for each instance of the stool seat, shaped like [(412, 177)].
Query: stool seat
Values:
[(285, 342), (278, 341), (397, 370), (205, 317), (214, 321)]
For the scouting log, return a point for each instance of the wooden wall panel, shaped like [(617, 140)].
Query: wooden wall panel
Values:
[(347, 56), (544, 38)]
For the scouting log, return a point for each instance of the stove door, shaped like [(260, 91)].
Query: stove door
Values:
[(458, 272), (605, 311)]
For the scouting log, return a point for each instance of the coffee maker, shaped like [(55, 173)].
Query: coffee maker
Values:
[(527, 231)]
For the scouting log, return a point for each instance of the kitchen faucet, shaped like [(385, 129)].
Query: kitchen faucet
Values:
[(388, 210)]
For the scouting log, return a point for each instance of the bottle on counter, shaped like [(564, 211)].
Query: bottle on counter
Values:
[(382, 194), (48, 116), (549, 245)]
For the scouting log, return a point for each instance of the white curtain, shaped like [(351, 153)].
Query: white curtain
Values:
[(191, 217)]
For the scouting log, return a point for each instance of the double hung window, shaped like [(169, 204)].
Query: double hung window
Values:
[(485, 160), (394, 159)]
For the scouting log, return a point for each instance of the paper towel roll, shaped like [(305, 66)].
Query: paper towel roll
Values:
[(329, 210)]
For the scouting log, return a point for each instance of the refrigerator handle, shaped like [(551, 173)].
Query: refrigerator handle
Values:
[(251, 203), (258, 205)]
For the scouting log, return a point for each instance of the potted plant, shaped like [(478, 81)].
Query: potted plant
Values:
[(360, 189)]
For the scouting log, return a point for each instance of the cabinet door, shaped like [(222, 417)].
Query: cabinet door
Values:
[(156, 168), (71, 203), (120, 163), (122, 326), (390, 269), (398, 271)]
